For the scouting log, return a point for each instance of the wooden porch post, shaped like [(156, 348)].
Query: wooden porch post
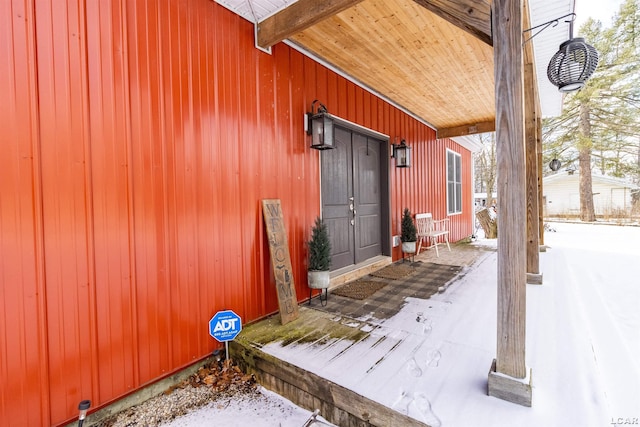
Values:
[(531, 113), (543, 248), (509, 378), (534, 276), (533, 131)]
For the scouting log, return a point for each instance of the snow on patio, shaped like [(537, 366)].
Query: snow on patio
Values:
[(583, 344)]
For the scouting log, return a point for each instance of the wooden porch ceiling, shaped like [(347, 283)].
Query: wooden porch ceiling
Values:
[(433, 58)]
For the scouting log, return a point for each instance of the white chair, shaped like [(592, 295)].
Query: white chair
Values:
[(432, 229)]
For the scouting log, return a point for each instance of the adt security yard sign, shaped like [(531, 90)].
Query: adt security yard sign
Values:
[(225, 325)]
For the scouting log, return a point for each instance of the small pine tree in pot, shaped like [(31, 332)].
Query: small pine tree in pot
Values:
[(408, 233), (319, 256)]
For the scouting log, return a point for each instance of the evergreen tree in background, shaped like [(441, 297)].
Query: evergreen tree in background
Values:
[(600, 124)]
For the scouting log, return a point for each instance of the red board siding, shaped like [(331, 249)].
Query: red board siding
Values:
[(138, 140), (23, 364), (65, 191)]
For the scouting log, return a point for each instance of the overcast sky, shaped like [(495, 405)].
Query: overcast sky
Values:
[(602, 10)]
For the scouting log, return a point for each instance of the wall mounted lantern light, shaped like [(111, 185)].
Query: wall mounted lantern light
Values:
[(320, 127), (574, 62), (402, 153), (555, 164)]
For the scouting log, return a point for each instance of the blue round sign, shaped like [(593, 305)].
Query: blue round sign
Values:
[(225, 325)]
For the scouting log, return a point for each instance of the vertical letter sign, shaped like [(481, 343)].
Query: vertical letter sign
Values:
[(280, 259)]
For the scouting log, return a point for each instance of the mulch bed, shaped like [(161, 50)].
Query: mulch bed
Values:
[(360, 289), (394, 271)]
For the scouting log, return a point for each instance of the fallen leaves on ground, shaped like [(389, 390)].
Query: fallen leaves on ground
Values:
[(219, 375)]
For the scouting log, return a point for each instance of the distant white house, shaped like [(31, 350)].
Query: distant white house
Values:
[(480, 199), (611, 196)]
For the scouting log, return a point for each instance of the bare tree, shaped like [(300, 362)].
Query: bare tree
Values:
[(485, 168)]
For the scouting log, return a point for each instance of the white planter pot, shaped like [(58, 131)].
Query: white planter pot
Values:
[(318, 279), (409, 247)]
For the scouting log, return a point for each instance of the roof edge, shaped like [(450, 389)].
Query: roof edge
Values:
[(469, 142)]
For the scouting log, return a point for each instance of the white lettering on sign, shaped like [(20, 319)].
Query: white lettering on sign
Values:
[(225, 325)]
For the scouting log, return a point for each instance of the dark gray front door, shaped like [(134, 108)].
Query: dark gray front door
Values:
[(351, 197)]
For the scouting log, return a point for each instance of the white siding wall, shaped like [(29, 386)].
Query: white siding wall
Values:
[(563, 196)]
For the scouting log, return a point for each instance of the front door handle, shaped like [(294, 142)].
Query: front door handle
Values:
[(352, 208)]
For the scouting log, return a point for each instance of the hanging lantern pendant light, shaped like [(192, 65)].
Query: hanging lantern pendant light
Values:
[(555, 164), (573, 64)]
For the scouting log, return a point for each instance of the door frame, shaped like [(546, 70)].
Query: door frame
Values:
[(385, 188)]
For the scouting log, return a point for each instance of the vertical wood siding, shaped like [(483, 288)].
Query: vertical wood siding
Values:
[(138, 138)]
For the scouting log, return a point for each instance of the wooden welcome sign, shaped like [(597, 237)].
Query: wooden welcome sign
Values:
[(280, 259)]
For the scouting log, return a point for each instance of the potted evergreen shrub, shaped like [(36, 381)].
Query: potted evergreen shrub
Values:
[(319, 256), (408, 233)]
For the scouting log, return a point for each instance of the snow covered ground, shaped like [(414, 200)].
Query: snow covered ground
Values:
[(266, 410), (583, 345)]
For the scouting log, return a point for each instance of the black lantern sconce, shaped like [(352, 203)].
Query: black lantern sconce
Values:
[(320, 127), (574, 62), (402, 153), (555, 164)]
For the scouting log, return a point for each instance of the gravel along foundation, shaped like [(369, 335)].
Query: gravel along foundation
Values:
[(217, 381)]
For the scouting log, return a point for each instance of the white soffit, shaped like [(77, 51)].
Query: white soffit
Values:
[(545, 45), (255, 10), (470, 142)]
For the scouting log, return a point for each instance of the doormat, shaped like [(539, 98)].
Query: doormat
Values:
[(428, 279), (359, 289), (394, 271)]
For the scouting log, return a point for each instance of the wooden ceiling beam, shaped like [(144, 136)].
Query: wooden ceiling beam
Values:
[(468, 129), (473, 16), (297, 17)]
